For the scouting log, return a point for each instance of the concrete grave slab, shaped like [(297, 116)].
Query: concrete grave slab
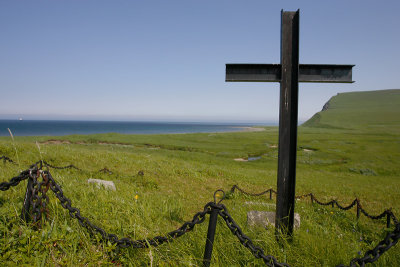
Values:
[(107, 184), (266, 218), (259, 203)]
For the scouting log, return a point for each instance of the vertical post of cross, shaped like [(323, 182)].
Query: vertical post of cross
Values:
[(288, 122), (289, 73)]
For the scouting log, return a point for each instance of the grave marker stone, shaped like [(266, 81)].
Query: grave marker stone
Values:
[(107, 184)]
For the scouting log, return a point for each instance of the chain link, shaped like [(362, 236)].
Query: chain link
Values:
[(7, 159), (303, 196), (370, 256), (322, 203), (251, 194), (38, 202), (348, 207), (124, 242), (245, 240), (373, 255), (71, 166), (41, 163), (376, 217), (329, 203), (393, 218), (105, 170), (14, 181)]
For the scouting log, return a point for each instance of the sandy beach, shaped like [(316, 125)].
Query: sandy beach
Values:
[(250, 129)]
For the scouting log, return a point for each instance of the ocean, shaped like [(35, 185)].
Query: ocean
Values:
[(57, 128)]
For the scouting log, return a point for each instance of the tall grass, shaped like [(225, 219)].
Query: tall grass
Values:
[(14, 145), (163, 180)]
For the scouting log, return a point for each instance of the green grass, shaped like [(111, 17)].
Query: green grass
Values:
[(181, 173)]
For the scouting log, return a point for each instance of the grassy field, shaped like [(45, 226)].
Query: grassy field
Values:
[(336, 160)]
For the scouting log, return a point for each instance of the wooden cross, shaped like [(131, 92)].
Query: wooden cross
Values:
[(289, 73)]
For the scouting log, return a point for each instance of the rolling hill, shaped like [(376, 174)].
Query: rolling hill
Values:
[(368, 110)]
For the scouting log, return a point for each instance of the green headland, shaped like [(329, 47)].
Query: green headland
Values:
[(349, 150), (370, 111)]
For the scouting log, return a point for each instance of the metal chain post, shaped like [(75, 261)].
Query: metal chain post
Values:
[(212, 225), (25, 213), (36, 200)]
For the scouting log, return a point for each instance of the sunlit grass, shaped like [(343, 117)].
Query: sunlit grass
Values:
[(163, 180)]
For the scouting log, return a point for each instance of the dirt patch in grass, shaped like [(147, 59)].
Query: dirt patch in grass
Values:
[(240, 159), (113, 143), (55, 142)]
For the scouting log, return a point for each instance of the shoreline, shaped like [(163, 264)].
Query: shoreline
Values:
[(250, 129), (239, 130), (44, 128)]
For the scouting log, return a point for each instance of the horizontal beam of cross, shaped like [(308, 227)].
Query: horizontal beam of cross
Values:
[(314, 73)]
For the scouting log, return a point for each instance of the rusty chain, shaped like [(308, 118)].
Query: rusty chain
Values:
[(14, 181), (251, 194), (37, 206), (355, 201), (46, 164), (244, 239), (7, 159), (70, 166), (370, 256), (38, 202), (38, 198), (332, 203), (106, 170), (373, 255), (124, 242)]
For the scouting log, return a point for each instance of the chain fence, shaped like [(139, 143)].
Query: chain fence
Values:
[(6, 159), (35, 206), (44, 163), (35, 210), (356, 202), (370, 256)]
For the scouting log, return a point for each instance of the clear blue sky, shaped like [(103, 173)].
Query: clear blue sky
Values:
[(165, 60)]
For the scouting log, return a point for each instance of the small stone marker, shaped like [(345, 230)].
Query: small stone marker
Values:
[(107, 184), (265, 218)]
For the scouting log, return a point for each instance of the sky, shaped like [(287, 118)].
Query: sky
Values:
[(165, 60)]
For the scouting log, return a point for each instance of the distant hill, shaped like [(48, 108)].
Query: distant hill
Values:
[(355, 110)]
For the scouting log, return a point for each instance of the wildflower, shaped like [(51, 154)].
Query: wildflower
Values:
[(331, 212), (136, 197)]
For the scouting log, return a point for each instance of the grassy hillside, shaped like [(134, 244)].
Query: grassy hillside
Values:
[(369, 110)]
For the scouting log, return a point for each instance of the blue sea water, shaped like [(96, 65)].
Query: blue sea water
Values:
[(57, 128)]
